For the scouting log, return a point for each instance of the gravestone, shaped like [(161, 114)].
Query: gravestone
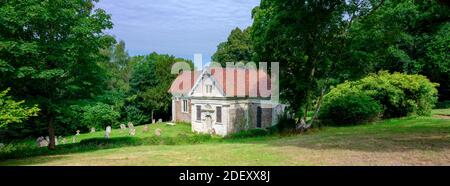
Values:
[(56, 140), (47, 138), (74, 139), (78, 132), (159, 120), (41, 142), (132, 131), (153, 121), (92, 129), (122, 127), (64, 140), (108, 132), (38, 140), (158, 132), (145, 129), (130, 125)]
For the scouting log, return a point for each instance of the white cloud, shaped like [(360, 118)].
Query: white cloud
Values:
[(178, 27)]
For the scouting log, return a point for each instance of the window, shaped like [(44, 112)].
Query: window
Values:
[(219, 114), (185, 106), (258, 117), (208, 88), (199, 112)]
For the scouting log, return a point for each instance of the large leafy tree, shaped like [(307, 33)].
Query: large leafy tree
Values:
[(151, 81), (237, 48), (406, 36), (48, 52), (309, 39)]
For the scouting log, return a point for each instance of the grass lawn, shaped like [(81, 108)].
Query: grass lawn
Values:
[(404, 141)]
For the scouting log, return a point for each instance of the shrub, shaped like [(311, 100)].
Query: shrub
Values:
[(398, 94), (249, 133), (99, 115), (285, 123), (351, 108), (133, 114)]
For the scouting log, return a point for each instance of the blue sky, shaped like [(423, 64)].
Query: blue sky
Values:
[(178, 27)]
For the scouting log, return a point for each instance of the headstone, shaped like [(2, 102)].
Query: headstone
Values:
[(170, 123), (47, 138), (145, 129), (160, 120), (123, 127), (130, 125), (56, 140), (78, 132), (92, 129), (132, 131), (74, 139), (153, 121), (158, 132), (108, 132), (64, 141), (41, 142)]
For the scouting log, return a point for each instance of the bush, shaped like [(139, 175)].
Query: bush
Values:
[(99, 115), (398, 94), (351, 108), (133, 114), (249, 133), (285, 123), (401, 94)]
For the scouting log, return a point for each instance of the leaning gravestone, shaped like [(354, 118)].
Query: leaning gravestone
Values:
[(130, 125), (122, 127), (132, 131), (145, 129), (158, 132), (92, 129), (108, 132)]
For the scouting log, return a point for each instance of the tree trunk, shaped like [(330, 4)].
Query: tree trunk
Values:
[(152, 116), (51, 134), (308, 91), (319, 104)]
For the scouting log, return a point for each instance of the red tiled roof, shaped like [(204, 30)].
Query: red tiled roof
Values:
[(182, 85), (235, 82)]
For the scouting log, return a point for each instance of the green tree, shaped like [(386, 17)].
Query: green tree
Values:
[(309, 38), (237, 48), (99, 115), (14, 111), (406, 36), (49, 49), (151, 81)]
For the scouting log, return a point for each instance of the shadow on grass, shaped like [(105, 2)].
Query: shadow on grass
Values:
[(410, 134), (94, 144), (396, 138)]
